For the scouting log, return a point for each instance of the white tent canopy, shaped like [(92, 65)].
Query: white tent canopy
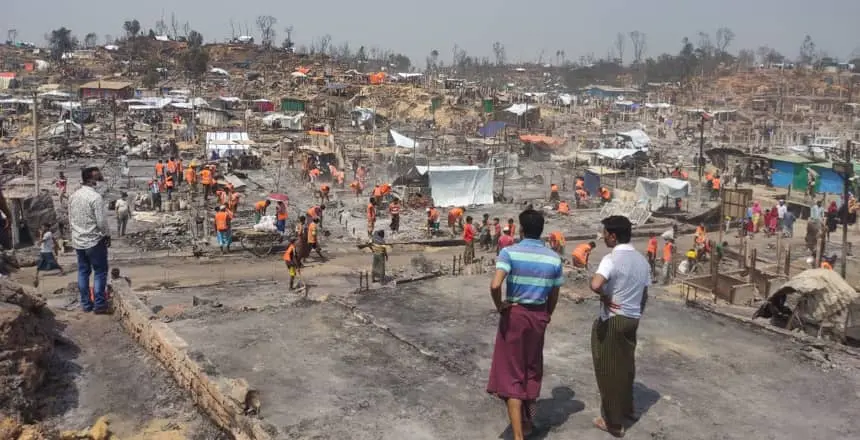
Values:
[(289, 122), (402, 141), (228, 143), (455, 186), (62, 127), (636, 138), (659, 190), (613, 153)]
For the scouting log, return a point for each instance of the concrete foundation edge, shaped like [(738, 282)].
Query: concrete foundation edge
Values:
[(222, 399)]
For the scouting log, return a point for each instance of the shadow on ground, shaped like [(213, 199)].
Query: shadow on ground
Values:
[(59, 393), (551, 413)]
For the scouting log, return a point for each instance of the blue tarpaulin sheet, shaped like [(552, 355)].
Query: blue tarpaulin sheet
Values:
[(783, 174), (491, 128)]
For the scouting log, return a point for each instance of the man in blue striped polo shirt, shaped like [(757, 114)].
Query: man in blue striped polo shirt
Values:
[(533, 274)]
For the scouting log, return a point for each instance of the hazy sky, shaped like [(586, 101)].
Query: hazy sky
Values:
[(525, 27)]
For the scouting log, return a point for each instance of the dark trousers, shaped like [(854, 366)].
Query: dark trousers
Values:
[(94, 259), (613, 349)]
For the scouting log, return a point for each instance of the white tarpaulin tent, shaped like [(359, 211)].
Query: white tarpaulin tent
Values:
[(290, 122), (455, 186), (227, 143), (659, 190), (402, 141), (613, 153), (636, 138), (63, 127)]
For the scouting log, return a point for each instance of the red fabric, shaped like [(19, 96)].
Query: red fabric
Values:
[(505, 241), (468, 233), (517, 367)]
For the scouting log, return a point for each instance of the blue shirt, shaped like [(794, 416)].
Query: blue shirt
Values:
[(533, 271)]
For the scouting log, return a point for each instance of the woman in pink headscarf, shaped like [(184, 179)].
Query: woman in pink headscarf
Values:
[(772, 220), (756, 216)]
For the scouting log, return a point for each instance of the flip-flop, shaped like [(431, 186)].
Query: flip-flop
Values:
[(600, 424)]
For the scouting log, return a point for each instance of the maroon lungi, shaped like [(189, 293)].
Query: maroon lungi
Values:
[(517, 367)]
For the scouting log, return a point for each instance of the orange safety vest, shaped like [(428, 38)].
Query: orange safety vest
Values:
[(433, 214), (190, 175), (384, 189), (312, 233), (371, 211), (168, 182), (605, 194), (553, 188), (667, 252), (826, 265), (260, 206), (563, 207), (171, 166), (312, 212), (288, 255), (282, 215), (206, 177), (222, 221), (652, 246), (159, 169), (580, 183), (580, 254), (716, 183), (556, 238), (324, 189)]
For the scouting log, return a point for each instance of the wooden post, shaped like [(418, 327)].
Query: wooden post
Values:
[(36, 143), (788, 261)]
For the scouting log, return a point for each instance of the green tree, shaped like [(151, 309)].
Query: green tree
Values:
[(61, 41), (131, 28), (195, 59)]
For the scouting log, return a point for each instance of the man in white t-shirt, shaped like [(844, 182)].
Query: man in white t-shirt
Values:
[(622, 281)]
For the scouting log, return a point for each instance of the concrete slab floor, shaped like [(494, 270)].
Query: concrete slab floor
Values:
[(99, 370), (325, 374)]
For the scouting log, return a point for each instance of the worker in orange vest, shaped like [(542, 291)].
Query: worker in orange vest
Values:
[(356, 188), (208, 182), (159, 170), (324, 192), (171, 167), (222, 196), (563, 207), (340, 178), (315, 213), (371, 216), (581, 196), (314, 239), (432, 220), (715, 187), (314, 173), (291, 260), (651, 252), (668, 263), (827, 263), (168, 186), (191, 179), (556, 242), (233, 204), (394, 212), (455, 218), (553, 193), (605, 194), (260, 210), (281, 217), (581, 254), (222, 228)]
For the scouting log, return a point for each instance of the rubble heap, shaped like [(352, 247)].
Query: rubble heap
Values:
[(26, 343)]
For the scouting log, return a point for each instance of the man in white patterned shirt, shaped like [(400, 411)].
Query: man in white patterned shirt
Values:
[(91, 239)]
